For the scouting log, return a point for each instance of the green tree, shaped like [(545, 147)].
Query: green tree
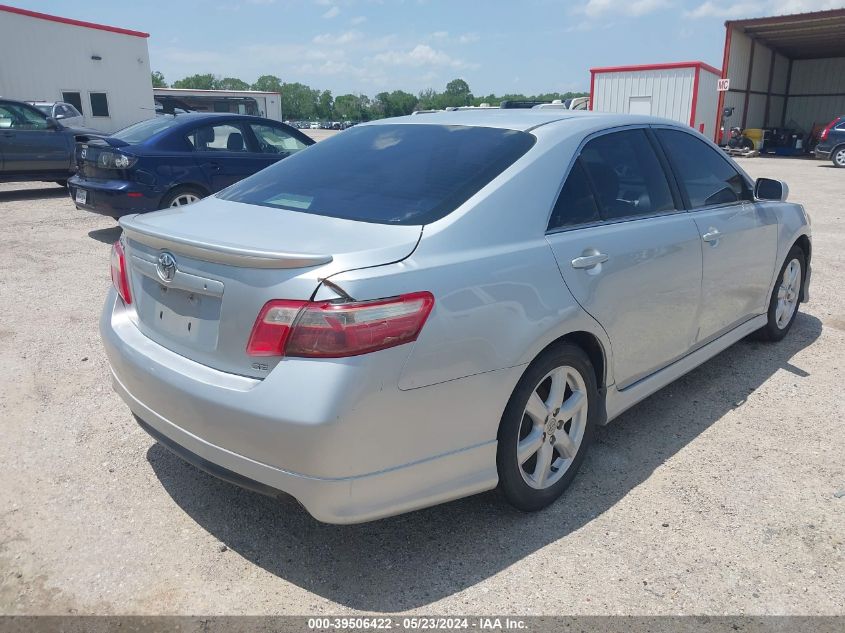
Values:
[(197, 82), (268, 83), (457, 93), (324, 105), (396, 103), (298, 101), (231, 83), (158, 79)]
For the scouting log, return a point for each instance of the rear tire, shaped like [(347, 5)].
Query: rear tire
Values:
[(837, 157), (181, 196), (785, 298), (547, 428)]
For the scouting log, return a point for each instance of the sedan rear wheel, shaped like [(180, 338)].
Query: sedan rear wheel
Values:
[(838, 157), (546, 428), (181, 197)]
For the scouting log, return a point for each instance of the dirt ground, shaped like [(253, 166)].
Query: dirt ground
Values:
[(722, 494)]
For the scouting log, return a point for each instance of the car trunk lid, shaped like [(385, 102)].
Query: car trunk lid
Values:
[(200, 274)]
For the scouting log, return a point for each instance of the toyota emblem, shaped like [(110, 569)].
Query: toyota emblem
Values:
[(166, 267)]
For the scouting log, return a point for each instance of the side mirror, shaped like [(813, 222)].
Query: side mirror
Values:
[(770, 189), (53, 124)]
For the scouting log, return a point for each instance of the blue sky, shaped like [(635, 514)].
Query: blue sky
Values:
[(500, 46)]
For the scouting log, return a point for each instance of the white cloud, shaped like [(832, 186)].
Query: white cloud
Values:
[(712, 10), (358, 19), (599, 8), (758, 8), (341, 39), (332, 13), (420, 55)]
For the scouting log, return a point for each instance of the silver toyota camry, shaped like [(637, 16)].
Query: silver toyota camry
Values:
[(423, 308)]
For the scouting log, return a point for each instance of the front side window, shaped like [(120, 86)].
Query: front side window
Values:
[(217, 138), (626, 175), (705, 175), (17, 117), (576, 203), (409, 174), (274, 140), (99, 104)]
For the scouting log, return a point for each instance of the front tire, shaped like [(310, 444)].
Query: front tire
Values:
[(181, 196), (837, 157), (547, 428), (785, 298)]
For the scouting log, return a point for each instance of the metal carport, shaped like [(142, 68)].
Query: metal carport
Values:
[(785, 71)]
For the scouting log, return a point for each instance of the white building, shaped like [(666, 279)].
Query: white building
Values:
[(682, 91), (103, 70)]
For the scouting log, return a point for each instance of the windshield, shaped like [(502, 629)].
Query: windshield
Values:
[(140, 132), (390, 174)]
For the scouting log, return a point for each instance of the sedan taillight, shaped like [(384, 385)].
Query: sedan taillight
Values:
[(335, 330), (119, 274)]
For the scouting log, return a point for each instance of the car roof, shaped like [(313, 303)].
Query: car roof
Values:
[(523, 120)]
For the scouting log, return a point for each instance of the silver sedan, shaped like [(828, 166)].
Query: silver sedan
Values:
[(428, 307)]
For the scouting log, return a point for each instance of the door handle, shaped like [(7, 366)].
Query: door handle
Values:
[(589, 261), (712, 235)]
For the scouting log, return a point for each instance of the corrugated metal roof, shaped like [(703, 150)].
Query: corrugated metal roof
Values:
[(799, 36)]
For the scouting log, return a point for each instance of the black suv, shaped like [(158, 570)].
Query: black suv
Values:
[(832, 142), (34, 146)]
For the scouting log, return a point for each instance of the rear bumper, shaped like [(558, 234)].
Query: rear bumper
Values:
[(822, 153), (347, 455), (114, 198)]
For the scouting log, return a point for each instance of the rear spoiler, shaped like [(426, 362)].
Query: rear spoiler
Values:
[(219, 253)]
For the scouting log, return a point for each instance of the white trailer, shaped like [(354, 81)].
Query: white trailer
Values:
[(254, 102), (102, 70), (686, 92)]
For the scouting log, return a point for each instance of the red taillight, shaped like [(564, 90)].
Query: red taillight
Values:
[(827, 129), (334, 330), (119, 274), (272, 328)]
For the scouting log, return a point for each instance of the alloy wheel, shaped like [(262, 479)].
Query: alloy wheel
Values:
[(183, 199), (839, 157), (553, 426), (788, 291)]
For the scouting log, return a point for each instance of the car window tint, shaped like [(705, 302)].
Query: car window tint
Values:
[(275, 140), (408, 174), (218, 138), (703, 173), (626, 175), (21, 117), (575, 204)]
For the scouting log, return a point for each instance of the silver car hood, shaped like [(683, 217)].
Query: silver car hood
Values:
[(254, 236)]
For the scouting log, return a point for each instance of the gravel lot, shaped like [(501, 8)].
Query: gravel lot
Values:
[(715, 496)]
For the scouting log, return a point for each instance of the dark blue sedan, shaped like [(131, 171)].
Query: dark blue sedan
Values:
[(173, 160)]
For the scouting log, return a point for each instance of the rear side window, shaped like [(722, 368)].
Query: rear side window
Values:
[(626, 175), (218, 138), (391, 174), (705, 176), (576, 203)]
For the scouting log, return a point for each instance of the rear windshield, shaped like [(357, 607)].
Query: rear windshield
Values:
[(140, 132), (390, 174)]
